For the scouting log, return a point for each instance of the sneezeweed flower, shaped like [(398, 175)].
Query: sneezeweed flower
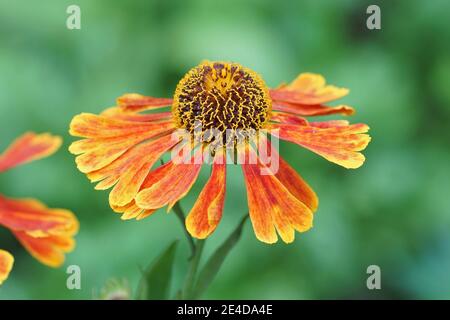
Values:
[(46, 233), (122, 145)]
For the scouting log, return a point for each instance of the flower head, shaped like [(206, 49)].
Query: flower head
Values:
[(46, 233), (223, 109), (216, 97)]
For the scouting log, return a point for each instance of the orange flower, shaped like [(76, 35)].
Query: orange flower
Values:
[(122, 145), (45, 233)]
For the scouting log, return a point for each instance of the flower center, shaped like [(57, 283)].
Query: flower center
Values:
[(219, 98)]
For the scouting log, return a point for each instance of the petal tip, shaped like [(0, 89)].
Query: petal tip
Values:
[(6, 264)]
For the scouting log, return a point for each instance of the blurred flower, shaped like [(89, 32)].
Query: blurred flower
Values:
[(115, 289), (123, 143), (45, 233)]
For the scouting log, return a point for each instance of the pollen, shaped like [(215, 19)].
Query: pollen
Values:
[(215, 98)]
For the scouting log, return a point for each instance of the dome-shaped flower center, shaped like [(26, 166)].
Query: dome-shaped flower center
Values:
[(218, 97)]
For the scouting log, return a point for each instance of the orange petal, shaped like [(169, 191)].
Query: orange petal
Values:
[(6, 264), (28, 147), (272, 207), (207, 211), (138, 102), (296, 185), (89, 125), (308, 88), (34, 218), (290, 179), (335, 142), (288, 118), (168, 184), (132, 211), (330, 124), (129, 170), (312, 110), (132, 169), (99, 152), (48, 250), (120, 113)]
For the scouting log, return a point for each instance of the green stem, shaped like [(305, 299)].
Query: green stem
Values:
[(191, 276), (180, 214)]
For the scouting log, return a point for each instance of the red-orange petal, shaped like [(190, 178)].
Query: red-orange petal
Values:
[(28, 147), (288, 118), (206, 213), (309, 89), (132, 211), (169, 183), (335, 142), (36, 219), (296, 185), (330, 124), (290, 179), (120, 113), (89, 125), (132, 168), (138, 102), (272, 207), (6, 264), (312, 110), (101, 148), (48, 250), (100, 152)]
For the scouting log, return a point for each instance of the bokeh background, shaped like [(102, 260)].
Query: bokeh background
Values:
[(393, 212)]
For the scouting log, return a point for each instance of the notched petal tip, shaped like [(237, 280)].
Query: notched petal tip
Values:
[(309, 89), (132, 211), (49, 246), (268, 239), (47, 250), (273, 208), (333, 140)]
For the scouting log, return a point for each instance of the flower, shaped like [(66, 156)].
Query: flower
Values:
[(122, 145), (46, 233), (115, 289)]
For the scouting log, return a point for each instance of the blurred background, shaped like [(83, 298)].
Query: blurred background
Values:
[(393, 212)]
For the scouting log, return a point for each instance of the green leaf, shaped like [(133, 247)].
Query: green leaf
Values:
[(156, 279), (214, 263)]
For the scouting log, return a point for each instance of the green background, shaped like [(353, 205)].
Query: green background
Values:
[(393, 212)]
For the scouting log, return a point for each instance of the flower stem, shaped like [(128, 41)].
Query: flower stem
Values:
[(191, 276), (180, 214)]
